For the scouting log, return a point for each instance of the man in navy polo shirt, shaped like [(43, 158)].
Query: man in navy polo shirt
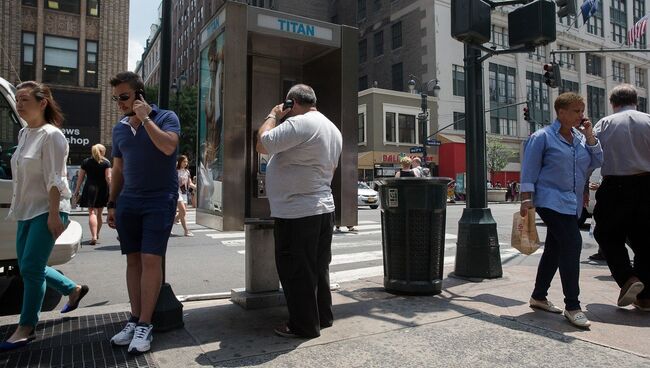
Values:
[(142, 202)]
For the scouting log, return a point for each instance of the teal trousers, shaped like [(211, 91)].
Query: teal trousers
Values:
[(34, 243)]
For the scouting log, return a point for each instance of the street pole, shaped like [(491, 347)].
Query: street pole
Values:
[(423, 120), (477, 252), (168, 313)]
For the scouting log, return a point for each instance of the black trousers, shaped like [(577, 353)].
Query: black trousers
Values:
[(561, 250), (623, 213), (303, 252)]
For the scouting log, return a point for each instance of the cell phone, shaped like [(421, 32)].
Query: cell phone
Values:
[(139, 94), (288, 104), (582, 122)]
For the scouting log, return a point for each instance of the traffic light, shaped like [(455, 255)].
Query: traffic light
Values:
[(526, 113), (552, 75), (566, 8)]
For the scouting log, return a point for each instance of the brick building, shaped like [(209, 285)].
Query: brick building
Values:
[(74, 46)]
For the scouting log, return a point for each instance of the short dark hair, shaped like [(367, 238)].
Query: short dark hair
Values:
[(134, 80), (302, 94), (623, 95)]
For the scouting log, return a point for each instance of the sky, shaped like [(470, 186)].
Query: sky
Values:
[(142, 13)]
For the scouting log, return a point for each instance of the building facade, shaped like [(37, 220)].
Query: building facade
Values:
[(74, 46), (399, 37), (388, 128), (149, 66)]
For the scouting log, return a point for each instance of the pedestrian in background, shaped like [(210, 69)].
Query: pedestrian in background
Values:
[(416, 167), (623, 199), (305, 151), (142, 200), (405, 170), (94, 196), (184, 185), (41, 205), (557, 160)]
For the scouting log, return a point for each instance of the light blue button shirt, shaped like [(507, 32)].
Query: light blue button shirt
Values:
[(556, 171)]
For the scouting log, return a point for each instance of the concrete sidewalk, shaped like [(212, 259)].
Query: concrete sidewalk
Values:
[(484, 324)]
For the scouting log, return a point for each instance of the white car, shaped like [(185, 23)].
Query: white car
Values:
[(366, 196), (66, 245)]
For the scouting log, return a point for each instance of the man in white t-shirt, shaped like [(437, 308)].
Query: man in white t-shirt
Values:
[(304, 151), (416, 168)]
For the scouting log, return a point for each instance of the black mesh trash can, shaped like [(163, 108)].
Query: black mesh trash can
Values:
[(413, 219)]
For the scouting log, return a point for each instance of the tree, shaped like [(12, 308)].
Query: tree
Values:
[(186, 109), (184, 105), (498, 155)]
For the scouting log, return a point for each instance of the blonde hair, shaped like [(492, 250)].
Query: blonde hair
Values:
[(98, 151), (405, 162)]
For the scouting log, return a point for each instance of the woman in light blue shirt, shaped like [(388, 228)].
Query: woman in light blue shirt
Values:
[(557, 160)]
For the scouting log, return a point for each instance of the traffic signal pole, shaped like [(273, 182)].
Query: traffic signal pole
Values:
[(477, 251)]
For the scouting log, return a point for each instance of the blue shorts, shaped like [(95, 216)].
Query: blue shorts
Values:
[(144, 224)]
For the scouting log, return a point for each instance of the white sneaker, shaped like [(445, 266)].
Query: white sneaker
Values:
[(125, 336), (142, 338)]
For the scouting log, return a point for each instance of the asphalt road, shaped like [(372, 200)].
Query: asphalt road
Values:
[(213, 261)]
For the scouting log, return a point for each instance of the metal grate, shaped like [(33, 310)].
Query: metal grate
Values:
[(74, 342)]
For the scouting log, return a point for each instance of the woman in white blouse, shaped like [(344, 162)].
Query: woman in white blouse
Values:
[(41, 205)]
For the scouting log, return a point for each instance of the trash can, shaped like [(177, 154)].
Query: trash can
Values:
[(413, 215)]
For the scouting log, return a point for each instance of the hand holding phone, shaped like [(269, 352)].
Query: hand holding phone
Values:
[(288, 104)]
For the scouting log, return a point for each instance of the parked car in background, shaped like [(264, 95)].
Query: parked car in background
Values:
[(367, 196), (66, 245)]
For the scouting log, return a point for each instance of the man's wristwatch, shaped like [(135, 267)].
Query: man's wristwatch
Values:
[(110, 205), (146, 120)]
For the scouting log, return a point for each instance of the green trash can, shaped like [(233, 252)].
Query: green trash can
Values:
[(413, 215)]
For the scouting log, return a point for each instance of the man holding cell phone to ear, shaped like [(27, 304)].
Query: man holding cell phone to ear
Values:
[(142, 201), (304, 151)]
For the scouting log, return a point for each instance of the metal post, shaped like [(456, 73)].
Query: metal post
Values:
[(477, 253), (168, 314), (423, 119)]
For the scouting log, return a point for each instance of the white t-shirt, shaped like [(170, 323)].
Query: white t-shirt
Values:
[(39, 164), (304, 151)]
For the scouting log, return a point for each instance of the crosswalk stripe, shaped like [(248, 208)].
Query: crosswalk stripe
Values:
[(340, 259), (359, 273)]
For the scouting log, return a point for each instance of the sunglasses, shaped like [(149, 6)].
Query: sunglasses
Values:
[(121, 97)]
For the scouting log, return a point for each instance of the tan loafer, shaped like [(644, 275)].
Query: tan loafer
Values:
[(577, 318), (629, 291), (544, 305)]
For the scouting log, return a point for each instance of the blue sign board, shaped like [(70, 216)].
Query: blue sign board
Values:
[(433, 142), (416, 150)]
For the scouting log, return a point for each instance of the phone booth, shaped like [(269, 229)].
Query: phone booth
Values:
[(249, 59)]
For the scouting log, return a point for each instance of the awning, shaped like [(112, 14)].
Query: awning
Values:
[(365, 160), (450, 138)]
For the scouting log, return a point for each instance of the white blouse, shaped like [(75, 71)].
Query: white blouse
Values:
[(39, 164)]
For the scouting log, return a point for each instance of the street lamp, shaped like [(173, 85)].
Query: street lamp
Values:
[(424, 115), (176, 89)]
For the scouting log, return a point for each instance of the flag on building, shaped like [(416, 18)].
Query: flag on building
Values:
[(588, 8), (637, 30)]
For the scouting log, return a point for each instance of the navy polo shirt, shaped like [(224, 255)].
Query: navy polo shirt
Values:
[(147, 171)]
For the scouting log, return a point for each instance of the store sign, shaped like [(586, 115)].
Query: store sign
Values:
[(296, 27), (213, 26), (80, 136)]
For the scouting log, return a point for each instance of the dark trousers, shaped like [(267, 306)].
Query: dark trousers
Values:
[(303, 251), (623, 212), (561, 250)]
